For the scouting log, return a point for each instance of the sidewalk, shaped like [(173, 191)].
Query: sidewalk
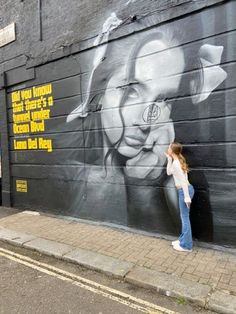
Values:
[(205, 276)]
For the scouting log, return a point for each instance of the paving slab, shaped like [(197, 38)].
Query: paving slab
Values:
[(106, 264), (169, 284), (18, 238), (49, 247), (222, 303)]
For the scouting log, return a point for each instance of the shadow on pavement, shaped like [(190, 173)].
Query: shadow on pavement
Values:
[(5, 212)]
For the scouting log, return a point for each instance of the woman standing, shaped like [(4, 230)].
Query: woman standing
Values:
[(178, 167)]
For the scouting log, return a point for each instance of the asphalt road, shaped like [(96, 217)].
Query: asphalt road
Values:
[(34, 283)]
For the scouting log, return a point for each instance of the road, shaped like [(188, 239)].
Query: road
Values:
[(34, 283)]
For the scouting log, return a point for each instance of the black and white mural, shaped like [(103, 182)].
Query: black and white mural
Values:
[(132, 97), (136, 124)]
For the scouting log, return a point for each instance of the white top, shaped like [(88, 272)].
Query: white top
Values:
[(180, 177)]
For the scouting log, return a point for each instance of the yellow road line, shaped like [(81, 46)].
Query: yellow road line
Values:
[(112, 294)]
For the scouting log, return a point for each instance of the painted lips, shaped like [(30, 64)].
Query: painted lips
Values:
[(134, 140)]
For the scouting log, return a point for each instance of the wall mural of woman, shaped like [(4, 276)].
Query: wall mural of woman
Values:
[(127, 110)]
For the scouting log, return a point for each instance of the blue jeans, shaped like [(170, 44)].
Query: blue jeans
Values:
[(185, 238)]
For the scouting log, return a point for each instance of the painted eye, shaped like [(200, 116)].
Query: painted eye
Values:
[(133, 93)]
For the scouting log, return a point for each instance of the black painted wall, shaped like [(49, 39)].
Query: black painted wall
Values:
[(166, 71)]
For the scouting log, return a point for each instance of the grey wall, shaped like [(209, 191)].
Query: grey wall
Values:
[(95, 171)]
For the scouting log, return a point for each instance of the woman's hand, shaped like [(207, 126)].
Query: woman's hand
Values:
[(167, 155), (188, 204)]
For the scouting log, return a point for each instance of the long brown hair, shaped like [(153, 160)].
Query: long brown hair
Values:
[(177, 150)]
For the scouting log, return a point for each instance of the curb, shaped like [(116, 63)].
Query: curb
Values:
[(170, 285)]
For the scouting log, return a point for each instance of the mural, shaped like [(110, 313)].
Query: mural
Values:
[(134, 96), (136, 125)]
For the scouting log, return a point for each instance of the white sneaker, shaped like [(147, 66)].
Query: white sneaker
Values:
[(175, 242), (177, 247)]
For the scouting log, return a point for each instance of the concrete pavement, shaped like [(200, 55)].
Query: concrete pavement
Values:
[(206, 277)]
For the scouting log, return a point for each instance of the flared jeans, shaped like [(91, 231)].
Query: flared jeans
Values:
[(185, 238)]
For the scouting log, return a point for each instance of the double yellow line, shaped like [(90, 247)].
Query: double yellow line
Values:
[(112, 294)]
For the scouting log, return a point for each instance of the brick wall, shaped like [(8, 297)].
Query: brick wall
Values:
[(167, 73)]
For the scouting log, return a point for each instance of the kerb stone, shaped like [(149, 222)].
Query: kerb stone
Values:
[(169, 285), (49, 247), (100, 262), (222, 303), (17, 238)]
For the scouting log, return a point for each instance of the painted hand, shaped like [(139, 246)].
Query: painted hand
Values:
[(148, 164)]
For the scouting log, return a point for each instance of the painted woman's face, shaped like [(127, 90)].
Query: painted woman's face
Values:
[(145, 109)]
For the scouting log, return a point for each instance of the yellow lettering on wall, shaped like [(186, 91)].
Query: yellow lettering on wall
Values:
[(21, 128), (45, 144), (30, 104), (23, 117), (50, 101), (40, 115), (32, 143), (20, 144), (15, 96), (30, 108), (21, 186), (26, 94), (42, 90), (37, 126)]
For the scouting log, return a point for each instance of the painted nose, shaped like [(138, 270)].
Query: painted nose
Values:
[(143, 126), (140, 119)]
